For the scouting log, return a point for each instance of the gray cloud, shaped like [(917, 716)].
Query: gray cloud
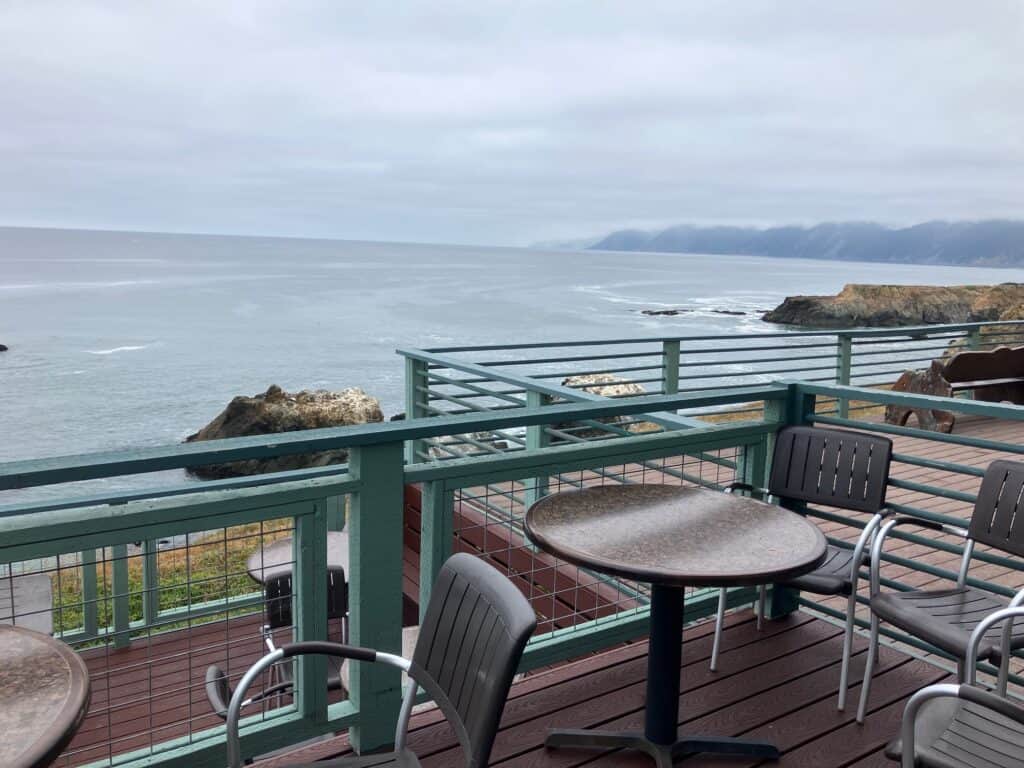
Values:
[(506, 123)]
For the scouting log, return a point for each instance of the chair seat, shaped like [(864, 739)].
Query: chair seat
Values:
[(403, 759), (952, 733), (831, 577), (946, 617)]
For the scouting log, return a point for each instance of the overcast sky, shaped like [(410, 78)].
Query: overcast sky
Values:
[(481, 122)]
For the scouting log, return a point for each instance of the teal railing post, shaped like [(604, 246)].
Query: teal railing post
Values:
[(90, 601), (120, 596), (536, 438), (796, 409), (150, 583), (670, 367), (416, 383), (375, 589), (436, 534), (844, 359), (974, 338), (309, 550), (335, 513)]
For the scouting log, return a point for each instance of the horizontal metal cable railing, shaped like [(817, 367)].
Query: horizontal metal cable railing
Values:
[(501, 376)]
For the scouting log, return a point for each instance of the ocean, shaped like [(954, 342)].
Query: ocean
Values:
[(120, 340)]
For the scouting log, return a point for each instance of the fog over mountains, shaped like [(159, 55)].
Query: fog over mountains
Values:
[(979, 243)]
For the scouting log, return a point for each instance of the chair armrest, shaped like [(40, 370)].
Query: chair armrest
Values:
[(893, 522), (219, 693), (291, 650), (753, 490), (1018, 600), (996, 617)]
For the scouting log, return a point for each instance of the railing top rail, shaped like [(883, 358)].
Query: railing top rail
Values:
[(61, 469), (896, 331), (961, 405)]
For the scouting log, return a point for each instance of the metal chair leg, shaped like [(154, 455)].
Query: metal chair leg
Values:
[(762, 593), (719, 619), (844, 674), (1004, 674), (869, 670)]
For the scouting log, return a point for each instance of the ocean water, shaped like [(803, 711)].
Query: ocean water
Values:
[(120, 340)]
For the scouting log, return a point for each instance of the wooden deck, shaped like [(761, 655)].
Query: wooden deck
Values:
[(779, 684)]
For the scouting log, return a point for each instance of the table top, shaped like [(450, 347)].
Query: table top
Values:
[(671, 535), (276, 559), (44, 687)]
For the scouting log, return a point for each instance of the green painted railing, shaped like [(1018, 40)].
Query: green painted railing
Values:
[(499, 376)]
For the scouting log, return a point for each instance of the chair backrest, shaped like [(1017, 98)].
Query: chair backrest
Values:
[(835, 467), (278, 597), (471, 640), (998, 518)]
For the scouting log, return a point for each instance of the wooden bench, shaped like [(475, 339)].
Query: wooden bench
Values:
[(993, 376)]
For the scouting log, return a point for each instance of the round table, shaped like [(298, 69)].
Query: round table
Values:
[(44, 687), (277, 558), (672, 537)]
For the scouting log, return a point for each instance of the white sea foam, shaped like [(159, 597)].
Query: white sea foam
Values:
[(115, 350), (69, 286)]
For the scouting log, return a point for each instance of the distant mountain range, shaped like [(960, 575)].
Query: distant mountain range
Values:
[(980, 243)]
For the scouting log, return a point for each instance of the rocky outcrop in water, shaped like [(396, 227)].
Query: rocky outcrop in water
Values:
[(3, 348), (893, 305), (277, 411), (612, 386)]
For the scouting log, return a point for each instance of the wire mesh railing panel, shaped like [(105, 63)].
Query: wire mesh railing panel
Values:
[(488, 522), (152, 619)]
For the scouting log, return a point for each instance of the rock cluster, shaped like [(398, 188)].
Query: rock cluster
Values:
[(608, 385), (892, 305), (277, 411)]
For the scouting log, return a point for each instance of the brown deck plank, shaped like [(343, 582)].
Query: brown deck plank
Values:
[(771, 686)]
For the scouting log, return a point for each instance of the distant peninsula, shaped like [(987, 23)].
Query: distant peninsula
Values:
[(895, 305), (994, 243)]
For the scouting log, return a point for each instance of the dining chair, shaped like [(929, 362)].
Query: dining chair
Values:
[(836, 468), (963, 726), (946, 618), (470, 643), (278, 611)]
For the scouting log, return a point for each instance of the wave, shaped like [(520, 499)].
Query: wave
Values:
[(115, 350), (67, 286)]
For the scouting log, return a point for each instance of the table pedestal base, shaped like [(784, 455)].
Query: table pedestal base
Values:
[(660, 738), (663, 754)]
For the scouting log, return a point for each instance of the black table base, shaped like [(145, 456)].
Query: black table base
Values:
[(663, 754), (660, 738)]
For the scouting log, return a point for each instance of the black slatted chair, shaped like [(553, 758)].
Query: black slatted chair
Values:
[(470, 643), (946, 618), (963, 726), (278, 608), (836, 468)]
